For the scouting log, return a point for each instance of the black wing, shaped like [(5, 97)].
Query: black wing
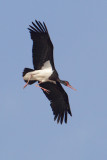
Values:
[(58, 100), (42, 45)]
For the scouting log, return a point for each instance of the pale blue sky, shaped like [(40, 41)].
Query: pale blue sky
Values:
[(78, 30)]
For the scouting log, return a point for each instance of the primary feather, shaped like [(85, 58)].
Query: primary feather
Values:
[(42, 45), (58, 101)]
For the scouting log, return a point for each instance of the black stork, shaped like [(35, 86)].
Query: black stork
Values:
[(45, 73)]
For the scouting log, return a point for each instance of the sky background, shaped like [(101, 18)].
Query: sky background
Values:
[(78, 30)]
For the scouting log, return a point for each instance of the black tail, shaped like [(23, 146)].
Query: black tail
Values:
[(26, 70)]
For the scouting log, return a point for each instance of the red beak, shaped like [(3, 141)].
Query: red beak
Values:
[(71, 87)]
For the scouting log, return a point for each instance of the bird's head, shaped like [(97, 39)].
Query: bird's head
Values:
[(66, 83)]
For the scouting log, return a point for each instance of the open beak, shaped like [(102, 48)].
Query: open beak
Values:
[(71, 87)]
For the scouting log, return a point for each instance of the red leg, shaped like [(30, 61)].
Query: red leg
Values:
[(42, 88), (27, 82), (25, 85)]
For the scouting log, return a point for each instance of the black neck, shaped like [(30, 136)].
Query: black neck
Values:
[(61, 81)]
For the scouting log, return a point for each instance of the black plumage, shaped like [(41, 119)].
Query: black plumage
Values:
[(58, 100), (42, 45), (43, 54)]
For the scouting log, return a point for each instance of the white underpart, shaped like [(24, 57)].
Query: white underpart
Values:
[(40, 75)]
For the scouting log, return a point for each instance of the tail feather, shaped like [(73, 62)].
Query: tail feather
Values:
[(26, 70)]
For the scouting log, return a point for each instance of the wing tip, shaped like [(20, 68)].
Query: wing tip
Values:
[(62, 117), (38, 27)]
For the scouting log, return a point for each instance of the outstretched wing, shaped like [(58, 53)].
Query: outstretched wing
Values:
[(42, 45), (58, 100)]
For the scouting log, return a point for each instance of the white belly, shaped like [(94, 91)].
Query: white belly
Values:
[(39, 75)]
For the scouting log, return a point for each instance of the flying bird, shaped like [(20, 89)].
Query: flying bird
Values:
[(45, 74)]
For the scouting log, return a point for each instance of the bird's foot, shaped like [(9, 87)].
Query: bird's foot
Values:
[(46, 90), (27, 82), (25, 85)]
